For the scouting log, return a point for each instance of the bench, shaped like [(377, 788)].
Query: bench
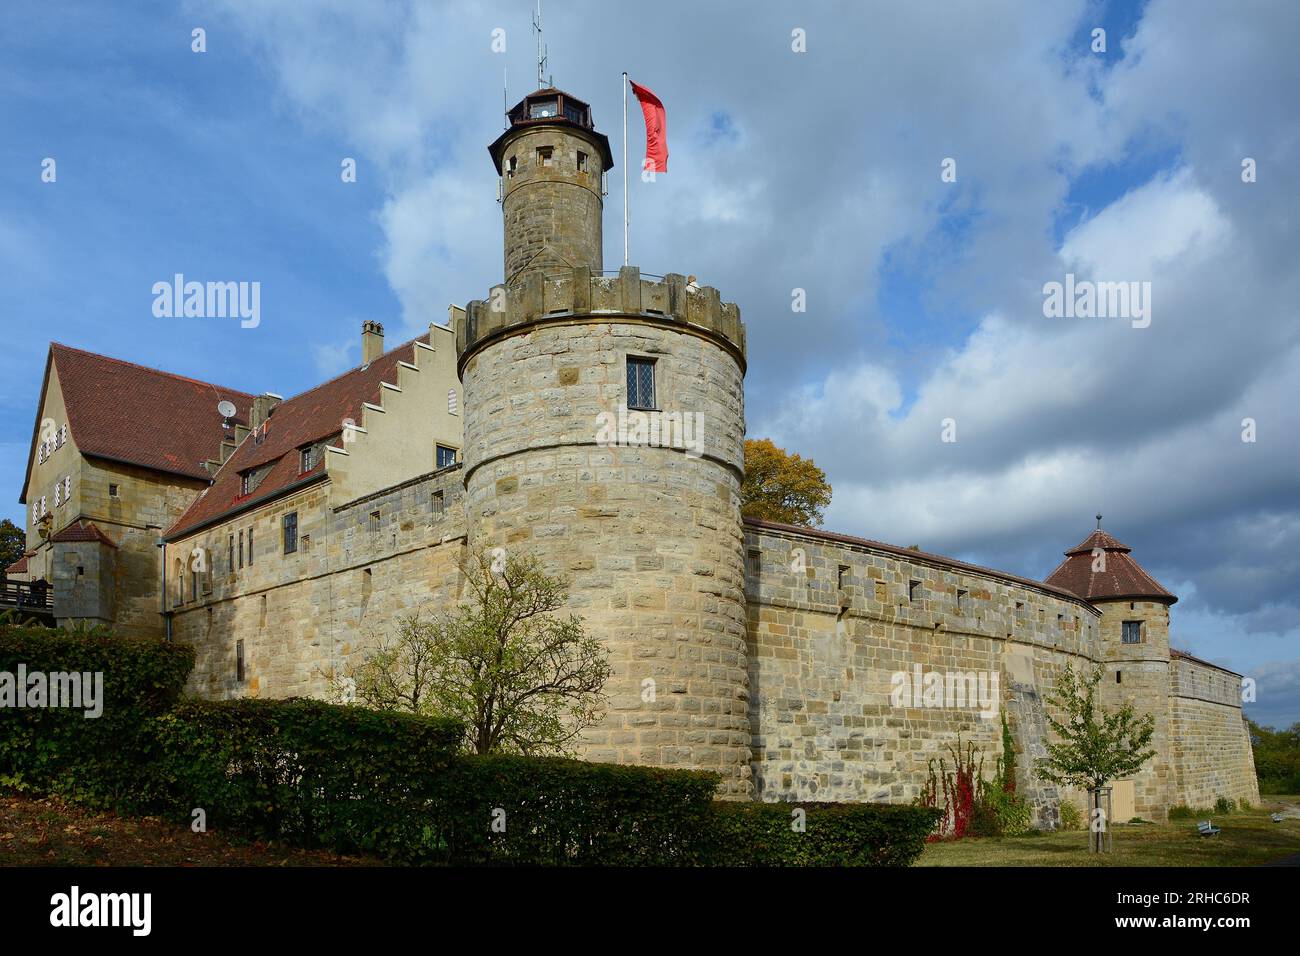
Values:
[(1206, 828)]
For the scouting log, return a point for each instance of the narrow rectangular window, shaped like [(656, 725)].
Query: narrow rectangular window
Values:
[(246, 483), (961, 601), (755, 562), (308, 460), (544, 154), (640, 383), (290, 532), (1118, 677), (241, 549), (913, 589), (250, 545), (511, 165), (446, 457), (582, 161), (239, 661), (231, 553), (1132, 632), (112, 491), (194, 585), (374, 522), (439, 505), (843, 576)]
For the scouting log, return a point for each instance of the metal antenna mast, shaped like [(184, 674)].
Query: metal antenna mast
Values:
[(541, 50)]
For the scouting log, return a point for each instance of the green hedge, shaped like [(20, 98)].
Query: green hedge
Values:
[(834, 834), (571, 812), (307, 772), (101, 761), (358, 780)]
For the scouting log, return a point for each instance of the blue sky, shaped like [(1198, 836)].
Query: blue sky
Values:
[(817, 171)]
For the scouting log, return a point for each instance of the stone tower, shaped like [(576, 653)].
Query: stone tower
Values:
[(604, 427), (1134, 644), (552, 165)]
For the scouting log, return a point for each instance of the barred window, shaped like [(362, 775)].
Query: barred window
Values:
[(640, 383)]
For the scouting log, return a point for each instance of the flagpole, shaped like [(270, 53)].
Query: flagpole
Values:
[(624, 167)]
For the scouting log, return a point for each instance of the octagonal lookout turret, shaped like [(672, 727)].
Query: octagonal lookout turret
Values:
[(552, 164)]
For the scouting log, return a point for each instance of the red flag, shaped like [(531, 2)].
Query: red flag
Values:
[(656, 129)]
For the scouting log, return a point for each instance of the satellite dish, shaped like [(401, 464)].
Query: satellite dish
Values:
[(227, 411)]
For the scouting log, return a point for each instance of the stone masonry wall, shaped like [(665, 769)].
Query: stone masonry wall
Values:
[(1209, 740), (306, 615), (830, 623)]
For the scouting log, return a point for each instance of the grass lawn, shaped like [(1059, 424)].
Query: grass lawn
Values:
[(1249, 838), (49, 832)]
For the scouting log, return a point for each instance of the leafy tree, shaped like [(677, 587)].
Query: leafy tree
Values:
[(1277, 757), (782, 487), (519, 676), (13, 542), (1094, 746)]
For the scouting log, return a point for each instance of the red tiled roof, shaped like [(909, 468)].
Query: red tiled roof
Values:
[(140, 415), (83, 531), (19, 566), (923, 556), (1123, 578), (313, 416)]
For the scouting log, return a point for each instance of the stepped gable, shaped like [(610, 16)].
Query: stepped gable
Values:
[(313, 416), (1123, 579)]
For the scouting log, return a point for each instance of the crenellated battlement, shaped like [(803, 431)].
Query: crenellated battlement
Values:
[(580, 292)]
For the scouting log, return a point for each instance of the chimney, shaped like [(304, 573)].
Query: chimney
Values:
[(372, 341), (261, 409)]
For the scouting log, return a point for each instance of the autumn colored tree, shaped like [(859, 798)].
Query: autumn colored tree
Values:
[(782, 487)]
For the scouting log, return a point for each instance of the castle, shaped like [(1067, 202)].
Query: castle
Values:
[(276, 536)]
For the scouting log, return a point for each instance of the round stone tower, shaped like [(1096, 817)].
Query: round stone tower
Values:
[(604, 427), (552, 164)]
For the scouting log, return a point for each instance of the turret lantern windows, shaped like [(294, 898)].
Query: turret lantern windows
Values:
[(542, 109)]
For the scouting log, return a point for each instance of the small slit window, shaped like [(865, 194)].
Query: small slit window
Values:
[(239, 661)]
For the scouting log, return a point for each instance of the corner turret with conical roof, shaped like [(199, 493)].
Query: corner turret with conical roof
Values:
[(1134, 645)]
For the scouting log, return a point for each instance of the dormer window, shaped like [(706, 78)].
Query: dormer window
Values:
[(246, 483), (307, 458)]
